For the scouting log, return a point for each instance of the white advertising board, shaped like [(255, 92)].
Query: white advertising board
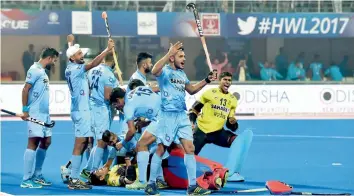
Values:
[(252, 99)]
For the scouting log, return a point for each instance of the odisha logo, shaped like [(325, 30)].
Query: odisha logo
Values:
[(262, 96), (329, 96)]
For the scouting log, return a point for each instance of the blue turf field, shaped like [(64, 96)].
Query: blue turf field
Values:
[(299, 152)]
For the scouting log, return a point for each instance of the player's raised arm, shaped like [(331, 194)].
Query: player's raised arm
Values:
[(157, 69), (96, 61), (194, 88)]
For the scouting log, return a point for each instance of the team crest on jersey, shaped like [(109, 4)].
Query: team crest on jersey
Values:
[(82, 92), (45, 81), (29, 75), (35, 94), (214, 91), (111, 80)]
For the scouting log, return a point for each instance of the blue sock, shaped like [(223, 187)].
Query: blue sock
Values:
[(28, 163), (160, 174), (75, 166), (105, 155), (154, 167), (238, 151), (143, 161), (97, 158), (40, 156), (90, 160), (191, 166)]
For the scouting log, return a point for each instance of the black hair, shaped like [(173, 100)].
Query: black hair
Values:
[(135, 83), (225, 74), (180, 49), (96, 181), (116, 93), (142, 56), (49, 52), (106, 136)]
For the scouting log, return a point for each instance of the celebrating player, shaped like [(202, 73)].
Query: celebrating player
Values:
[(75, 74), (173, 121), (219, 107), (101, 82), (144, 64), (35, 102), (136, 106)]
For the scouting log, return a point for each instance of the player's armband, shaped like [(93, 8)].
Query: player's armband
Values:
[(232, 127)]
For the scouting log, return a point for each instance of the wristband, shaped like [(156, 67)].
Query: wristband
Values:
[(207, 80), (25, 109)]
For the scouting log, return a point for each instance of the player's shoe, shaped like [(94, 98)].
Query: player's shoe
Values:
[(161, 184), (30, 184), (41, 180), (151, 189), (197, 190), (85, 173), (77, 184), (65, 174), (137, 185), (236, 177)]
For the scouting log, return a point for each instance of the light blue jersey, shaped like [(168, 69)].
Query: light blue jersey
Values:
[(316, 71), (335, 73), (172, 85), (142, 102), (38, 101), (137, 75), (38, 97), (75, 75), (100, 77)]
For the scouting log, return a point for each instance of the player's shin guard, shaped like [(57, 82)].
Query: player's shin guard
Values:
[(75, 166), (28, 157), (40, 157), (191, 166), (238, 151), (143, 161), (155, 164)]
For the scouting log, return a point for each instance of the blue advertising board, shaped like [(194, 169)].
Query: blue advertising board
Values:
[(24, 22), (290, 25)]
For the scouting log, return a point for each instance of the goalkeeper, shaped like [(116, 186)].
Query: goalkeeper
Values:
[(213, 119)]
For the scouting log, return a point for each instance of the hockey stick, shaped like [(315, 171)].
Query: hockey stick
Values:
[(117, 69), (281, 188), (50, 125), (216, 192), (191, 6)]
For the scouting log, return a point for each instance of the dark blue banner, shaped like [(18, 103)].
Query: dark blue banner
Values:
[(120, 23), (23, 22), (290, 25)]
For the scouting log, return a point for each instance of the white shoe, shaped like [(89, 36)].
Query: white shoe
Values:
[(65, 174), (236, 177)]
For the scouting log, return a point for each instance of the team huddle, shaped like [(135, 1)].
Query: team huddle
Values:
[(153, 120)]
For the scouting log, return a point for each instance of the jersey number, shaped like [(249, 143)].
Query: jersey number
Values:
[(146, 91), (94, 83), (223, 101)]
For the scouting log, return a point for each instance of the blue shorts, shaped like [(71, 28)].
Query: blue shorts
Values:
[(101, 120), (36, 130), (173, 126), (82, 123)]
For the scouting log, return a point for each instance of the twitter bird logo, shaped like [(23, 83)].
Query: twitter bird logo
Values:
[(246, 27)]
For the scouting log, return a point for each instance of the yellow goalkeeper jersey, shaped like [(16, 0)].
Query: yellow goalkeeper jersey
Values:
[(217, 108)]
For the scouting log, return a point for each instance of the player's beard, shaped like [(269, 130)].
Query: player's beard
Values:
[(49, 66), (147, 70), (80, 61), (178, 66)]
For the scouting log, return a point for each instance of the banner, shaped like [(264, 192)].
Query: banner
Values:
[(120, 23), (81, 22), (290, 25), (147, 24), (24, 22), (258, 100)]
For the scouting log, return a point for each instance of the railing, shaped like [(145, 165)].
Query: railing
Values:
[(235, 6)]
